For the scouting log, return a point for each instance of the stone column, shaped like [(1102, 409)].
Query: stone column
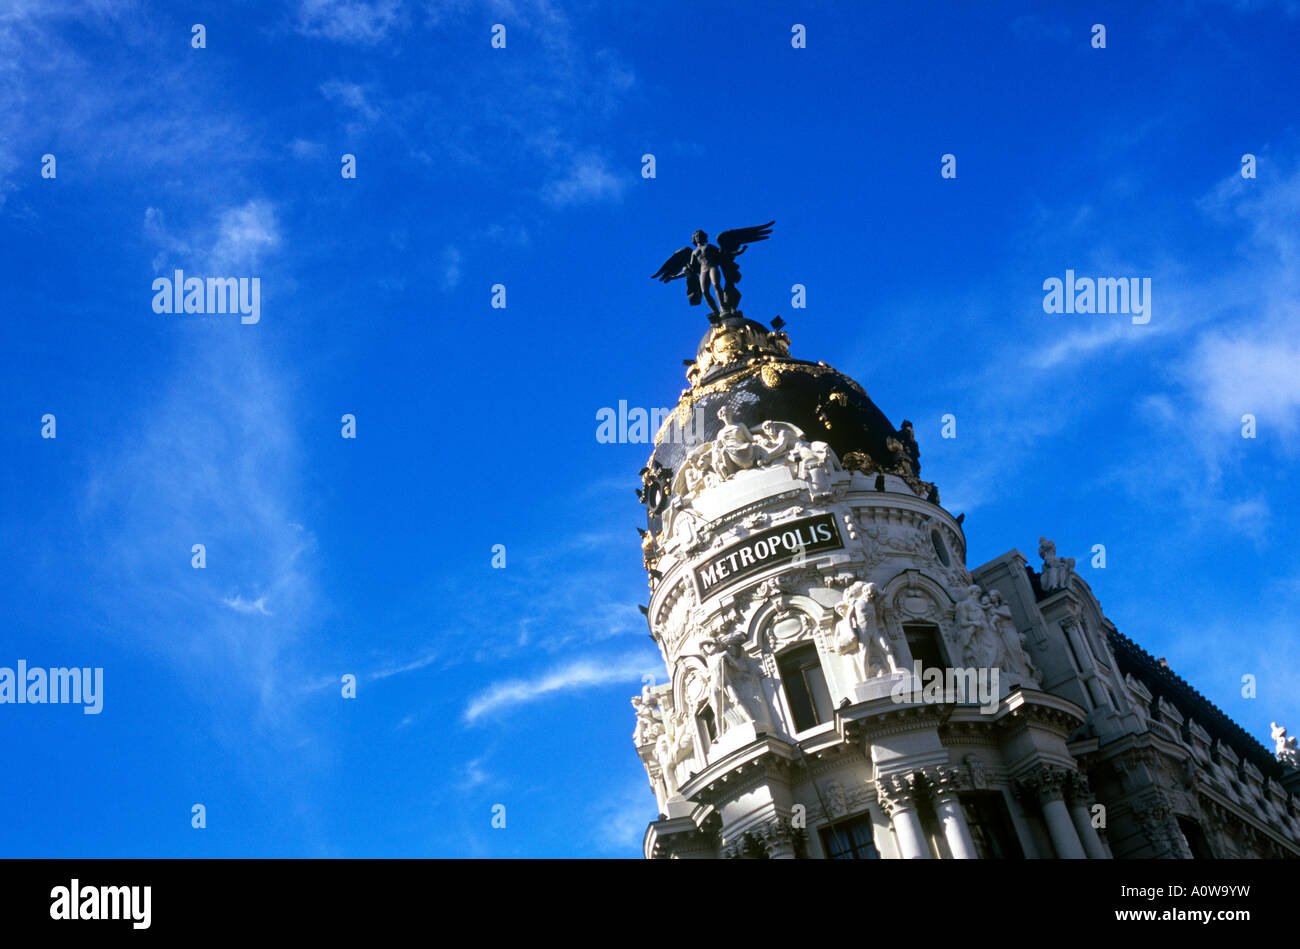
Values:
[(1048, 784), (1081, 801), (946, 782), (896, 794)]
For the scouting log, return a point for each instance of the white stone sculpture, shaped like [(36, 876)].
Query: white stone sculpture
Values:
[(1057, 571), (777, 441), (647, 715), (735, 682), (859, 638), (1009, 638), (733, 449), (815, 464), (1288, 752), (736, 448), (978, 644), (682, 524), (673, 745)]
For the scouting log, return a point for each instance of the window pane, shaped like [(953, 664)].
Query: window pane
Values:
[(705, 717), (793, 667), (990, 825), (850, 840), (801, 706), (923, 641), (821, 696)]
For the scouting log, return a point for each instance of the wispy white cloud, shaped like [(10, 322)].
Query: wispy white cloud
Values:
[(306, 150), (565, 89), (577, 675), (212, 460), (474, 774), (241, 605), (244, 236), (618, 823), (1252, 371), (353, 97), (239, 239), (362, 22), (117, 121), (588, 178), (418, 663), (1095, 338)]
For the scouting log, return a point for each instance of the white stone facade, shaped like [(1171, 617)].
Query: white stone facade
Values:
[(792, 602)]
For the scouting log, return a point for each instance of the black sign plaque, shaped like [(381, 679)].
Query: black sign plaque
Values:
[(776, 545)]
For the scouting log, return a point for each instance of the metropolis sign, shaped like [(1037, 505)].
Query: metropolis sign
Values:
[(776, 545)]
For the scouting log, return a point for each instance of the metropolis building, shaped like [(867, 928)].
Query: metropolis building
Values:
[(841, 685)]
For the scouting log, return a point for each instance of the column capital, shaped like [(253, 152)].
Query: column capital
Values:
[(1080, 791), (778, 836), (945, 783), (1044, 784), (898, 792)]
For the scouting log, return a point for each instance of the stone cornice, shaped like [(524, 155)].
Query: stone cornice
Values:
[(1025, 708), (1216, 807), (879, 717), (748, 764)]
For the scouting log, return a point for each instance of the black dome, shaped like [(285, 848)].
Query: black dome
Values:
[(747, 368)]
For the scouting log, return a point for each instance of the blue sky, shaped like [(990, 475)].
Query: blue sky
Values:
[(476, 426)]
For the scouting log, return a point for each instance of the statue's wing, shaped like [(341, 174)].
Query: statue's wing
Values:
[(731, 241), (673, 265)]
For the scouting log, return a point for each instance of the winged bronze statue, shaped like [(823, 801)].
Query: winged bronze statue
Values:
[(705, 267)]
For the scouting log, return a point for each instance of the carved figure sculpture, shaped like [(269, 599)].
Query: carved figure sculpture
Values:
[(673, 745), (1012, 642), (859, 637), (778, 442), (1056, 571), (735, 681), (647, 716), (737, 448), (979, 650), (815, 463), (733, 449), (1287, 750)]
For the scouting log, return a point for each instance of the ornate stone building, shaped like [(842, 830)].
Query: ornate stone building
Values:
[(841, 685)]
